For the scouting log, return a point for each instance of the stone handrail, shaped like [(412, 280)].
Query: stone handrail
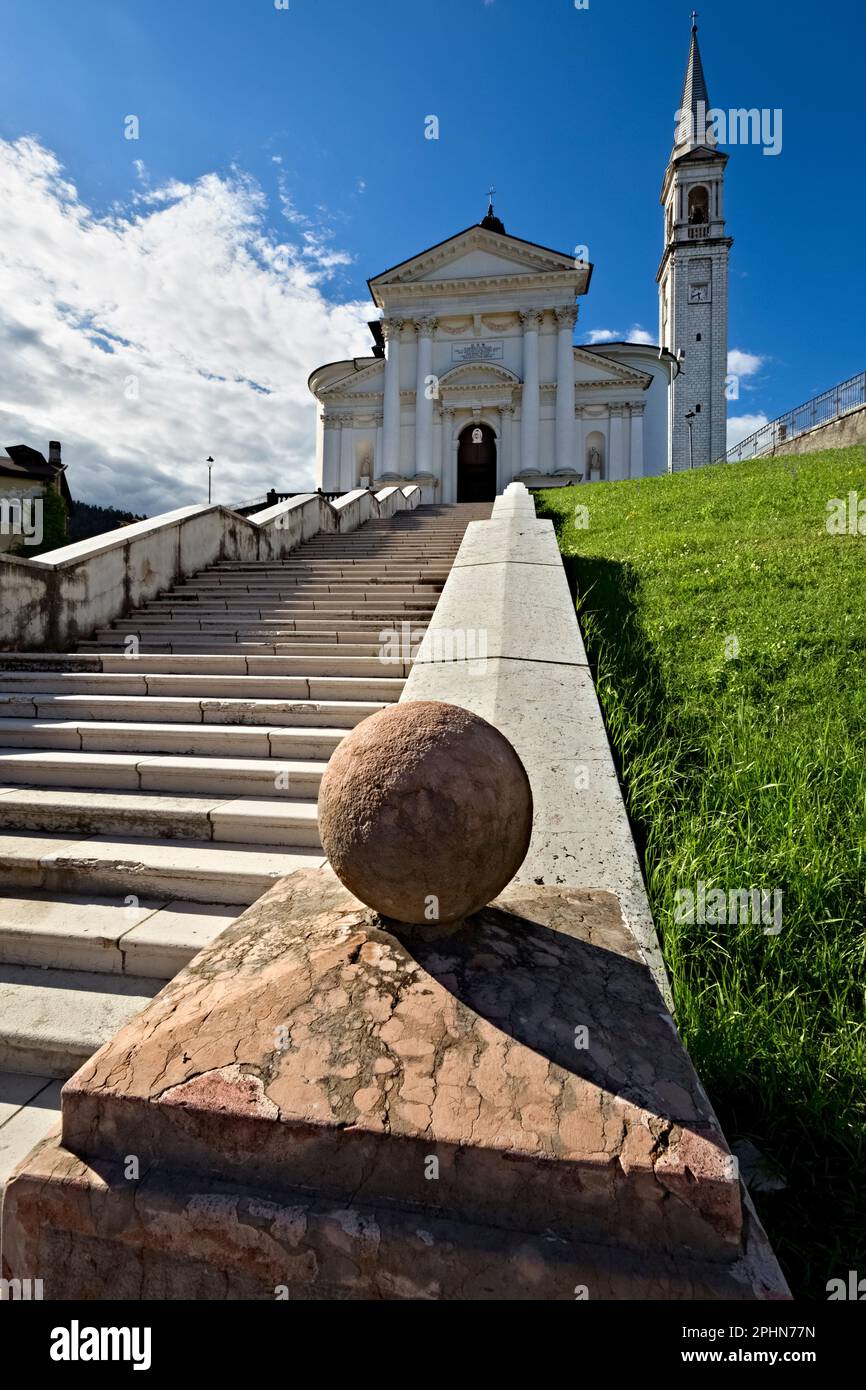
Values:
[(504, 642), (56, 599)]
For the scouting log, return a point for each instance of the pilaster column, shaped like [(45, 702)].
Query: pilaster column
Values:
[(332, 426), (378, 466), (348, 481), (580, 442), (425, 328), (447, 463), (636, 442), (565, 321), (506, 463), (617, 463), (531, 405), (391, 329)]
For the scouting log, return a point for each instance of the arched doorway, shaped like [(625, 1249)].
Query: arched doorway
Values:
[(476, 464)]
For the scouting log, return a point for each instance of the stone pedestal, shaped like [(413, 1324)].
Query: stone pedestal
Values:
[(326, 1104)]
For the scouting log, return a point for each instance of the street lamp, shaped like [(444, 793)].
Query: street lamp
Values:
[(690, 415), (209, 462)]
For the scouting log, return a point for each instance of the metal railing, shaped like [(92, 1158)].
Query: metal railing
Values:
[(819, 411)]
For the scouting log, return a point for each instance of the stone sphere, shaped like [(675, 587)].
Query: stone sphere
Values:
[(425, 812)]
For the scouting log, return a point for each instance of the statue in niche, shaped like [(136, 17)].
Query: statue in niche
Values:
[(477, 436), (594, 460)]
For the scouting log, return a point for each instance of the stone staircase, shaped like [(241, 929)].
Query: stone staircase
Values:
[(156, 782)]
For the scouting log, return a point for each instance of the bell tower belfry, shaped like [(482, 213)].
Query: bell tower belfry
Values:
[(693, 278)]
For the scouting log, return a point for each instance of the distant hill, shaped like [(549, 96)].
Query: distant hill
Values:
[(87, 520)]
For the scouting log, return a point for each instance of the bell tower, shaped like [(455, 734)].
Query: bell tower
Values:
[(693, 278)]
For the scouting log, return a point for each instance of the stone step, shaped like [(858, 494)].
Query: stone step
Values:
[(298, 588), (330, 571), (187, 710), (200, 647), (395, 585), (384, 555), (150, 939), (51, 1021), (229, 777), (276, 615), (338, 580), (301, 600), (29, 1109), (193, 870), (248, 606), (186, 740), (383, 552), (367, 629), (82, 812), (315, 661), (382, 687)]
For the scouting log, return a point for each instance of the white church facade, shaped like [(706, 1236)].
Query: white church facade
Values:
[(474, 379)]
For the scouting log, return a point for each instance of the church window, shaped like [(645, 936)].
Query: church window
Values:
[(699, 205)]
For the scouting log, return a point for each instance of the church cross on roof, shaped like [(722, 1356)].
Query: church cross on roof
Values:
[(491, 221)]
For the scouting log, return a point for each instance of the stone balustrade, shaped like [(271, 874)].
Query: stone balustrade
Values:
[(57, 599)]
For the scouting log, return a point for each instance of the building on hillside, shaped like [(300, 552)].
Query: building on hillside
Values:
[(474, 380), (25, 476)]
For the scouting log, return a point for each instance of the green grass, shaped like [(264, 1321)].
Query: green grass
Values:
[(749, 772)]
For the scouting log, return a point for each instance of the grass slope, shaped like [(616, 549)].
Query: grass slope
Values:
[(727, 629)]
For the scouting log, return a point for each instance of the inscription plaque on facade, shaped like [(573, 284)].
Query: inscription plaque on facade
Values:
[(484, 351)]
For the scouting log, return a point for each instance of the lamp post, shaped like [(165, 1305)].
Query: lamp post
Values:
[(209, 462), (690, 415)]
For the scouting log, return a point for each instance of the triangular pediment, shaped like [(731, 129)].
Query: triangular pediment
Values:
[(479, 254), (592, 369), (479, 374), (359, 383)]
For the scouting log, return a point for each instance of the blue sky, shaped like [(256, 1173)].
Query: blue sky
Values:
[(304, 129)]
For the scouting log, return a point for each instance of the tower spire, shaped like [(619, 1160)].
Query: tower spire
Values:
[(692, 131)]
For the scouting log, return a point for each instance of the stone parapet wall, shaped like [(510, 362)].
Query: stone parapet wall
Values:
[(53, 601), (507, 594), (840, 433)]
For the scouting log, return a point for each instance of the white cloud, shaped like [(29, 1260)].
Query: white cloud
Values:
[(744, 363), (741, 426), (184, 296), (635, 334)]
